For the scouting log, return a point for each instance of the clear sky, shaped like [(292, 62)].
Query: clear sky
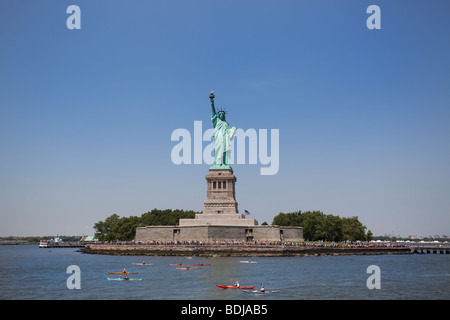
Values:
[(86, 116)]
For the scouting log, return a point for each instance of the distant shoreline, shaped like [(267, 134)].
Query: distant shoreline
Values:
[(237, 250), (16, 243)]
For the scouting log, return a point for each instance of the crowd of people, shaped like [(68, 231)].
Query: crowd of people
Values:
[(343, 244)]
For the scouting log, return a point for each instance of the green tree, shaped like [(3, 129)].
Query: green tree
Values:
[(126, 228), (165, 217), (287, 219), (106, 230), (116, 228), (318, 226), (353, 229), (314, 225), (332, 228)]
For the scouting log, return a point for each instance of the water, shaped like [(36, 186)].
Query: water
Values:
[(29, 272)]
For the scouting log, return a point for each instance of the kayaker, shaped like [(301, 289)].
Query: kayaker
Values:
[(262, 288), (236, 284)]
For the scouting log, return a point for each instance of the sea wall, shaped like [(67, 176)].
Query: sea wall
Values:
[(236, 250), (207, 233)]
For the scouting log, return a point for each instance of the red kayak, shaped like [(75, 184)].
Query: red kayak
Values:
[(200, 265), (233, 287)]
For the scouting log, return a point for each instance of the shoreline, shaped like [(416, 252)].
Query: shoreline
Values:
[(237, 250)]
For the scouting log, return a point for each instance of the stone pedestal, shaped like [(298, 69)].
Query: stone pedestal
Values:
[(220, 207), (220, 192)]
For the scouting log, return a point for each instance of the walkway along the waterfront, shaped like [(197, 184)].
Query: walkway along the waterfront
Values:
[(239, 250)]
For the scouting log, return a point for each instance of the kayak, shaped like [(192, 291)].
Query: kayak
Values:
[(123, 279), (186, 268), (248, 261), (122, 272), (233, 287), (259, 291), (142, 264), (176, 264), (200, 265)]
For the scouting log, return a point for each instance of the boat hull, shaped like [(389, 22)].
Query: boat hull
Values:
[(233, 287)]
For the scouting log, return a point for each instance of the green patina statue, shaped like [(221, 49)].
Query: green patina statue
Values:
[(223, 136)]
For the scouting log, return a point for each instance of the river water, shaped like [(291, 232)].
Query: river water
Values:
[(28, 272)]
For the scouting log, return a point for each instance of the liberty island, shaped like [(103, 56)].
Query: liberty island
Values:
[(220, 219)]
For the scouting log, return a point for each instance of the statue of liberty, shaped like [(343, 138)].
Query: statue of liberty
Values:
[(223, 135)]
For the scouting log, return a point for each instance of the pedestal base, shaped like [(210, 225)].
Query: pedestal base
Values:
[(220, 192), (220, 207), (233, 219)]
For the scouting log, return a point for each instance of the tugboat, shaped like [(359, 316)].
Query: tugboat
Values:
[(45, 243), (50, 243)]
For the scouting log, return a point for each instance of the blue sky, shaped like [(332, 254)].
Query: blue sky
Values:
[(86, 115)]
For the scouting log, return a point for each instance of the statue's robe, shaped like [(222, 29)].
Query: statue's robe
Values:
[(223, 135)]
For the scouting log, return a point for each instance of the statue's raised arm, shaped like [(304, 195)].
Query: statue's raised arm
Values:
[(211, 97)]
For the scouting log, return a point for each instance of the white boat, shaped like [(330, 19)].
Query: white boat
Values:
[(124, 279), (142, 264), (248, 261), (45, 243)]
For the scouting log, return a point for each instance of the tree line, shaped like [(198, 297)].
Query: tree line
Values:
[(124, 228), (319, 226), (316, 225)]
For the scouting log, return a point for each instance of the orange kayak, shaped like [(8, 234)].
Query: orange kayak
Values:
[(233, 287)]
